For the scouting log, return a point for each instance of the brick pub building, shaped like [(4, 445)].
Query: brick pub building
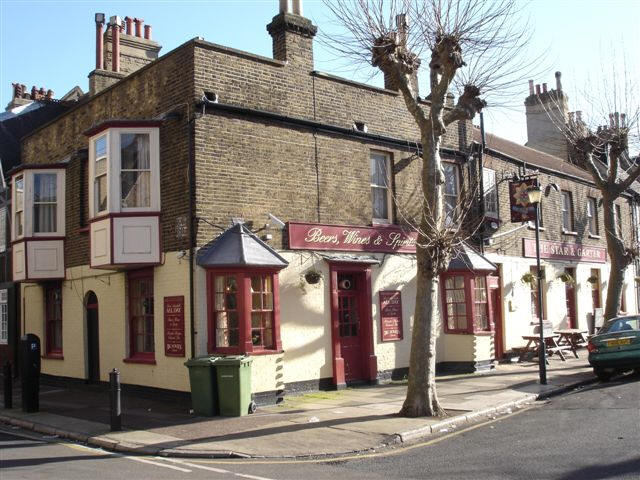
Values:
[(215, 201)]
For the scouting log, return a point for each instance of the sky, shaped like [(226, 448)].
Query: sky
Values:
[(51, 43)]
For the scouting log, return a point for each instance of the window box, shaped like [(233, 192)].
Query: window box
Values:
[(243, 311), (38, 226), (124, 194)]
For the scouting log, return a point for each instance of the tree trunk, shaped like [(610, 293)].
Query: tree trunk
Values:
[(422, 398), (620, 260)]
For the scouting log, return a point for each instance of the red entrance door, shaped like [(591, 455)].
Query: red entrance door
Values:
[(496, 313), (570, 295), (350, 327)]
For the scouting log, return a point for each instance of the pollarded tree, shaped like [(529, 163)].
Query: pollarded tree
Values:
[(467, 46)]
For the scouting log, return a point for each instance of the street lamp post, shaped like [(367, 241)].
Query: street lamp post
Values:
[(535, 194)]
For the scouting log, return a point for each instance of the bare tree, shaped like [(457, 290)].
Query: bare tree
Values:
[(467, 46), (601, 139)]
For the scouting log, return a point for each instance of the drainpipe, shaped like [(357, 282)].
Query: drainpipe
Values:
[(192, 233), (480, 169)]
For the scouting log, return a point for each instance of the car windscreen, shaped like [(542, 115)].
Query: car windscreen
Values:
[(621, 325)]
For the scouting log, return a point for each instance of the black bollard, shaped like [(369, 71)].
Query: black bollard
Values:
[(116, 411), (8, 385)]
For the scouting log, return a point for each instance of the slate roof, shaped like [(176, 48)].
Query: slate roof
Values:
[(467, 258), (12, 129), (239, 247)]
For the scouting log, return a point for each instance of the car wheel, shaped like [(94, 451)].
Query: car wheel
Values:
[(603, 375)]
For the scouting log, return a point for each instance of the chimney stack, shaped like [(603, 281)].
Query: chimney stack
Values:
[(293, 36), (99, 19)]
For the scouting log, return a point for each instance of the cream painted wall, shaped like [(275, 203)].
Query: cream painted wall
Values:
[(458, 348), (516, 296), (170, 279)]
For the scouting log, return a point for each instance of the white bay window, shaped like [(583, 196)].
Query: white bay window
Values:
[(124, 188), (38, 228)]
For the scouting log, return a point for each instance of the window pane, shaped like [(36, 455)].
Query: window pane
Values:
[(256, 283), (256, 301), (379, 201), (134, 151), (100, 147), (100, 193), (450, 178), (379, 170), (101, 167), (44, 218), (459, 281), (44, 187), (19, 183), (136, 189)]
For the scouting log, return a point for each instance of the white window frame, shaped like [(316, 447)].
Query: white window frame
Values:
[(28, 203), (456, 169), (388, 187), (592, 216), (4, 317), (490, 187), (570, 211), (617, 218), (114, 170), (92, 198), (3, 229), (15, 234)]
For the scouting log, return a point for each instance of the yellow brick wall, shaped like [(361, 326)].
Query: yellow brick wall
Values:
[(170, 279)]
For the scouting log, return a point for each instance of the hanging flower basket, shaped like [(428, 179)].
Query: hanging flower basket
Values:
[(528, 278), (566, 278), (312, 277), (593, 280)]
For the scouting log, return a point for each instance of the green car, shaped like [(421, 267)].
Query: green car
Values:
[(616, 347)]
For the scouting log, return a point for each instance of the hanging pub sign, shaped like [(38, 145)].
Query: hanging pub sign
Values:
[(521, 209), (391, 315), (387, 239), (174, 326)]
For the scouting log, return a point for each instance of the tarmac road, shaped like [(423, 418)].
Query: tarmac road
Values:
[(591, 433)]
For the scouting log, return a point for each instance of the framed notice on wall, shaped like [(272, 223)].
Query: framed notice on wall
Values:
[(390, 315), (174, 326)]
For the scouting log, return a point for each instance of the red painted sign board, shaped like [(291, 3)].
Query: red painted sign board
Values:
[(521, 209), (386, 239), (565, 251), (174, 326), (391, 315)]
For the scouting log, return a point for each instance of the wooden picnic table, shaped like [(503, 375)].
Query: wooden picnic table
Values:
[(551, 346), (572, 337)]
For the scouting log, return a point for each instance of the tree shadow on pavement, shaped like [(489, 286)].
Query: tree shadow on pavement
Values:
[(613, 470)]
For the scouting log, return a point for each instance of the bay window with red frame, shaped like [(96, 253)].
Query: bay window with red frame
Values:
[(465, 305), (243, 314), (141, 317), (53, 320)]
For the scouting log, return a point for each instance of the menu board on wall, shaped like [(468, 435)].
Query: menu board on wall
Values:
[(174, 326), (391, 315)]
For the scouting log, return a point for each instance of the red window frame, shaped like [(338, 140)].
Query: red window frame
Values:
[(473, 326), (53, 319), (133, 278), (247, 326)]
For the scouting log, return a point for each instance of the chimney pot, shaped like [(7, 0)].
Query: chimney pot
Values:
[(530, 87), (559, 81), (138, 22), (297, 7), (402, 25), (99, 41), (129, 22), (611, 120), (538, 89), (623, 120), (617, 117), (147, 32), (544, 88), (49, 94), (115, 40), (284, 6), (579, 115)]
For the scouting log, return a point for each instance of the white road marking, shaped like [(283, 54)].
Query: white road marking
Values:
[(157, 464), (211, 469), (193, 465)]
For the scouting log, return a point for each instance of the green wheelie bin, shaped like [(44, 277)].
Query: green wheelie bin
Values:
[(234, 385), (204, 391)]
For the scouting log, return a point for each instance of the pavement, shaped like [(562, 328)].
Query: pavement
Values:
[(324, 423)]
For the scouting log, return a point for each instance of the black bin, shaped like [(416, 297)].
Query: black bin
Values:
[(30, 372)]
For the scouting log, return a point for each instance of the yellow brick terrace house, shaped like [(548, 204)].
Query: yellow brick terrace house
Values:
[(210, 200)]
